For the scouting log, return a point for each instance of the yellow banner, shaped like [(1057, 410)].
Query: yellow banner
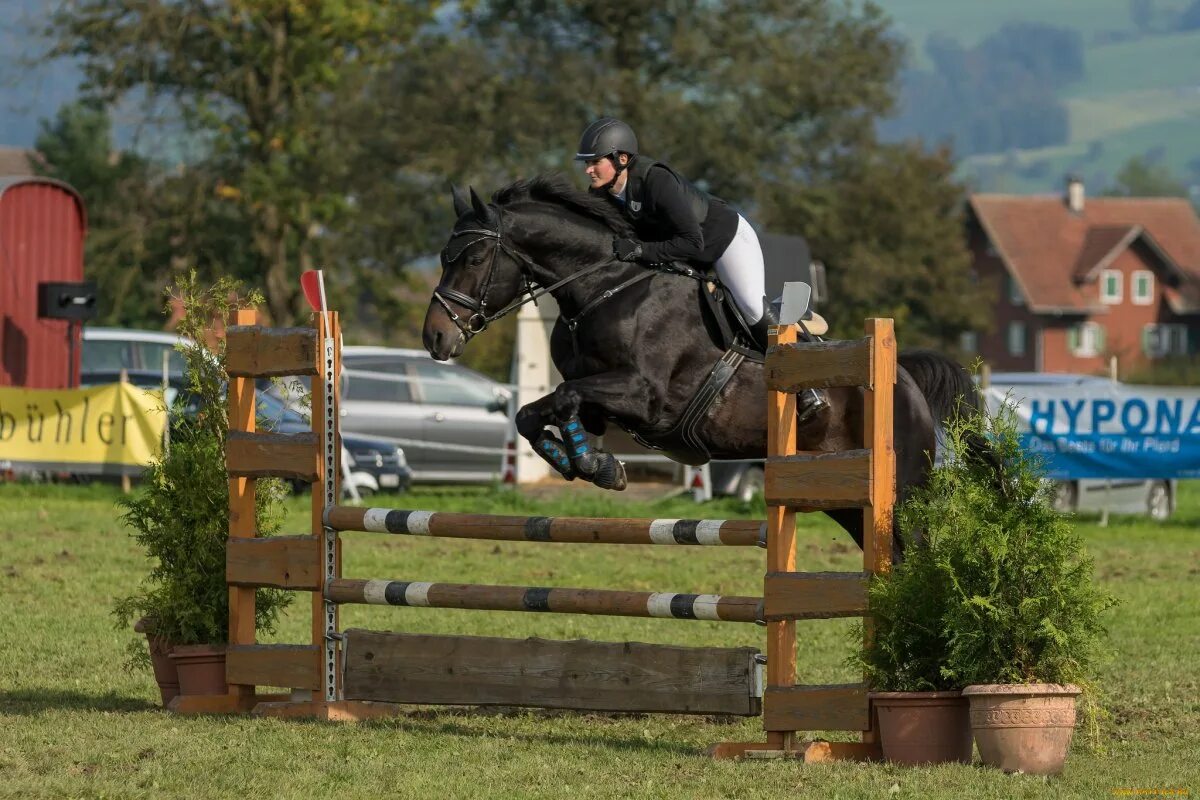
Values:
[(107, 427)]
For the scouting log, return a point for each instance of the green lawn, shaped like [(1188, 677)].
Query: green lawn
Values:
[(77, 725)]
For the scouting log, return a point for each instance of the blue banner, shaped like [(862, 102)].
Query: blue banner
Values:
[(1102, 429)]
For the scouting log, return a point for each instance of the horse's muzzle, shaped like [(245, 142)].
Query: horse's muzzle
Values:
[(441, 336)]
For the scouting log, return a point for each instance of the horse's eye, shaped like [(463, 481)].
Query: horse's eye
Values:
[(475, 260)]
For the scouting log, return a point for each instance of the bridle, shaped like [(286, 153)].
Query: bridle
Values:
[(479, 319)]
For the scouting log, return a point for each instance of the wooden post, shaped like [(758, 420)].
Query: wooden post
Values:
[(878, 435), (242, 523), (781, 541)]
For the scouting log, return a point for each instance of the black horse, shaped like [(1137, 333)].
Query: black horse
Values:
[(634, 344)]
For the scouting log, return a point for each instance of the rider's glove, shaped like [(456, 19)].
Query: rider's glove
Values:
[(627, 249)]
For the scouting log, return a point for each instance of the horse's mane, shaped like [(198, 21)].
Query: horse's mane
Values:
[(557, 190)]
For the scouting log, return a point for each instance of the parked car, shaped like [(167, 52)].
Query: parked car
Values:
[(374, 465), (453, 422), (113, 349)]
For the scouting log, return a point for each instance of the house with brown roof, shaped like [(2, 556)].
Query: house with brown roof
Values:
[(1082, 279), (16, 161)]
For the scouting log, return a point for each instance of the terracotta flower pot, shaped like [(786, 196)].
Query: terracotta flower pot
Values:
[(165, 674), (1023, 727), (201, 668), (923, 727)]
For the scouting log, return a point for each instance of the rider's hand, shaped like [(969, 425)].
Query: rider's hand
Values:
[(627, 249)]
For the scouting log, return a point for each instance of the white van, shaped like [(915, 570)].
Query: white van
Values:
[(110, 350)]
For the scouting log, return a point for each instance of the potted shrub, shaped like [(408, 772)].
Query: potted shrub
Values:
[(180, 517), (921, 714), (1021, 624)]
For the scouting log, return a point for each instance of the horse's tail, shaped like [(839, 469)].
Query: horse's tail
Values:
[(950, 393), (946, 386)]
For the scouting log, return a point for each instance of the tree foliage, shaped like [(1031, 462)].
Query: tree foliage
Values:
[(261, 83), (328, 132), (997, 95), (1139, 177)]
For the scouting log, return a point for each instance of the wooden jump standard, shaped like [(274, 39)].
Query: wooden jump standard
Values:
[(358, 674)]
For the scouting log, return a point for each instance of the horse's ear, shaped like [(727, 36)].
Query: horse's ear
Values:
[(461, 204), (483, 212)]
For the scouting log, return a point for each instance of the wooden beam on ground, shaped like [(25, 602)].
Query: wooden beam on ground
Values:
[(281, 562), (605, 602), (823, 480), (791, 366), (273, 455), (252, 351), (580, 674), (336, 711), (815, 752), (221, 703), (579, 530)]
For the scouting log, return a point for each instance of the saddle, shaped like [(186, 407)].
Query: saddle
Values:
[(734, 328), (682, 442)]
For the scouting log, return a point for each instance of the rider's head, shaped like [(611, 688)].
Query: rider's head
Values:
[(606, 147)]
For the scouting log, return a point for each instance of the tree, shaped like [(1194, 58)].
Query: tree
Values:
[(1141, 14), (77, 148), (1189, 19), (771, 105), (261, 82), (1140, 178), (889, 224)]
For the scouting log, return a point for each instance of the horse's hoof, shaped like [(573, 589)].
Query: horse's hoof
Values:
[(611, 473), (587, 464)]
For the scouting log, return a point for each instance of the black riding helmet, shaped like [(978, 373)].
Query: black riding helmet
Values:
[(606, 137)]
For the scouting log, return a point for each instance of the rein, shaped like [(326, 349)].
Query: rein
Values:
[(479, 319)]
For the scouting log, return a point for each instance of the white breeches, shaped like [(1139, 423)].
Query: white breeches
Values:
[(741, 269)]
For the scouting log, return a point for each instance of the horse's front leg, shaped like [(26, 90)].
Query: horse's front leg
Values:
[(531, 423), (610, 394)]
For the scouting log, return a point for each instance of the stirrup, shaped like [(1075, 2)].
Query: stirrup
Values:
[(810, 403)]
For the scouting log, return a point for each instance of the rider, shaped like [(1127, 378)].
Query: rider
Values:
[(675, 221)]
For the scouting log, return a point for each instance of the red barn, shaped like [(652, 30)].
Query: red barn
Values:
[(42, 225), (1083, 279)]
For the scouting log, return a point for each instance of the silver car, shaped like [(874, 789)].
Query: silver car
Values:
[(452, 422)]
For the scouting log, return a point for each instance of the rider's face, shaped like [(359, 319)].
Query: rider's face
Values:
[(600, 171)]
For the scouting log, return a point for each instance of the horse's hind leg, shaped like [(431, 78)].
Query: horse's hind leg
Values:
[(531, 423), (609, 394)]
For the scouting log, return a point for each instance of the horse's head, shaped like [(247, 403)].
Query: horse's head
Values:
[(480, 276)]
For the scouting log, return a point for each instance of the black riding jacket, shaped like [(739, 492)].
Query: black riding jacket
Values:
[(674, 220)]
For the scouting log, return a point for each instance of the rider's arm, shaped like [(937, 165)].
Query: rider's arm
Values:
[(682, 237)]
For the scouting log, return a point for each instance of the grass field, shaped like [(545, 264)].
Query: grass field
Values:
[(76, 724)]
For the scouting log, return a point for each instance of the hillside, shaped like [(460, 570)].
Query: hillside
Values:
[(1139, 95)]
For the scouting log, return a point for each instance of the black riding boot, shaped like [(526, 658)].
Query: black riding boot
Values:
[(809, 402)]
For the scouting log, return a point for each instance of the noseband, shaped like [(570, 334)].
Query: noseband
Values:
[(479, 319)]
